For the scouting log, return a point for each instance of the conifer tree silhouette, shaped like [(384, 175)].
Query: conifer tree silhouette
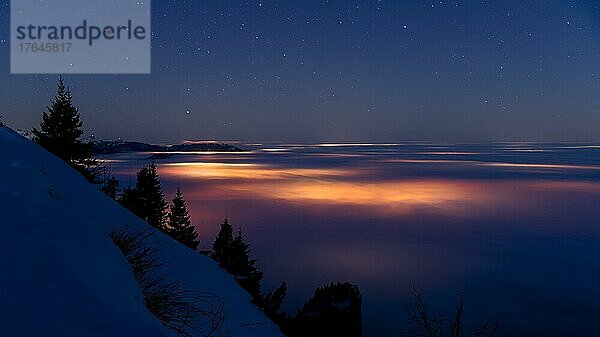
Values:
[(272, 304), (60, 132), (147, 200), (110, 187), (244, 267), (153, 206), (333, 310), (222, 244), (233, 254), (179, 225)]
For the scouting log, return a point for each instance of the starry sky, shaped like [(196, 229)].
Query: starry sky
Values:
[(362, 70)]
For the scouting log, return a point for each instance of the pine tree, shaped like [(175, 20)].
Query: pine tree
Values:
[(273, 302), (179, 224), (146, 200), (244, 267), (222, 244), (61, 130), (1, 121), (110, 187), (130, 199), (334, 310), (152, 206), (233, 254)]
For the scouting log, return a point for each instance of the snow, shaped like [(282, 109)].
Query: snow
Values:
[(61, 275)]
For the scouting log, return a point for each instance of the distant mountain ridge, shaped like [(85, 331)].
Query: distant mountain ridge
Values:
[(121, 146)]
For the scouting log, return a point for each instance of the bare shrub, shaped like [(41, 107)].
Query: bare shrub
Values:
[(189, 313), (424, 324)]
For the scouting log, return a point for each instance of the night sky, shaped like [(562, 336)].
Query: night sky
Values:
[(309, 71)]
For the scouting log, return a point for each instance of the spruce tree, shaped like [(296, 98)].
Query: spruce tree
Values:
[(179, 224), (61, 130), (244, 267), (146, 200), (152, 207), (222, 244), (334, 310), (130, 199), (233, 254), (110, 187), (273, 302)]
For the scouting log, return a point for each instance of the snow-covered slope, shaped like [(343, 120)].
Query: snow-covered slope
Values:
[(61, 275)]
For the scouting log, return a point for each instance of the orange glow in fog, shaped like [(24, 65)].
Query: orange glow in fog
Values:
[(332, 186), (392, 195), (244, 171), (360, 189)]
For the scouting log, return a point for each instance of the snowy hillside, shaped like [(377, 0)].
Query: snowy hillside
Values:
[(60, 273)]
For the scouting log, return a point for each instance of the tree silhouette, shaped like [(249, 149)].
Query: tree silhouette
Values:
[(130, 199), (222, 244), (333, 310), (61, 130), (147, 200), (244, 267), (425, 324), (233, 254), (110, 187), (272, 304), (179, 225)]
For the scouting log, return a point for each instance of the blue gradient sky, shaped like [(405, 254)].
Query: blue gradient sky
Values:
[(343, 71)]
